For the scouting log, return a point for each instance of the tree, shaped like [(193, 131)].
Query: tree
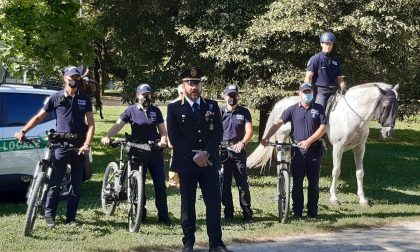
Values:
[(44, 36)]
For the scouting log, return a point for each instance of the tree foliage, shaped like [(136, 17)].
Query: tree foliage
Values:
[(261, 45), (44, 35)]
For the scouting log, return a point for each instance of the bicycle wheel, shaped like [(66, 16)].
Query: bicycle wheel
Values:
[(38, 168), (136, 201), (283, 193), (109, 183), (35, 201)]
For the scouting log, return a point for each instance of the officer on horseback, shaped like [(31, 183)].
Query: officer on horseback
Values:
[(324, 71)]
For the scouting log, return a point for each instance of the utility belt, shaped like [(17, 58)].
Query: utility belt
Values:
[(69, 138), (228, 143)]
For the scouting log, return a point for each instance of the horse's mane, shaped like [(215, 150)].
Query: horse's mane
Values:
[(381, 85)]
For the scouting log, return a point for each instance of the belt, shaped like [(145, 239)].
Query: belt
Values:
[(230, 142), (70, 136), (327, 87)]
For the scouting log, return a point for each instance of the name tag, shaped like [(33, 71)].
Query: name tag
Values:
[(314, 113), (335, 63), (81, 102), (153, 116)]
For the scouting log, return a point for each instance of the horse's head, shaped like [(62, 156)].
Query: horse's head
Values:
[(386, 110)]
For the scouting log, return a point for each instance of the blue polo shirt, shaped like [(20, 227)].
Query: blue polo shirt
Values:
[(143, 123), (325, 69), (70, 111), (234, 123), (304, 121)]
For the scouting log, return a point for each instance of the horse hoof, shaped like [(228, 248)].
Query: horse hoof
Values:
[(334, 202), (364, 203)]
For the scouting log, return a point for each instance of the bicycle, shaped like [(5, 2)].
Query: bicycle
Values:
[(283, 179), (122, 182), (37, 191)]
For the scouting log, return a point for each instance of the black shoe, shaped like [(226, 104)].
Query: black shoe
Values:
[(313, 215), (297, 216), (248, 219), (165, 221), (187, 249), (50, 222), (221, 248)]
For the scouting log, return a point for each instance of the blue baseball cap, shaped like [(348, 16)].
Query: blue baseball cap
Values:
[(71, 70), (305, 86), (143, 88), (231, 89)]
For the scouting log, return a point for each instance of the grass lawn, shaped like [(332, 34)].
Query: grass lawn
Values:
[(392, 185)]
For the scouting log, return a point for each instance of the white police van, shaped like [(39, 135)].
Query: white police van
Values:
[(18, 104)]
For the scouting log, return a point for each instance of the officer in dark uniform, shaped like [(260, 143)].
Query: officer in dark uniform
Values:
[(147, 124), (237, 131), (324, 71), (308, 125), (74, 118), (195, 132)]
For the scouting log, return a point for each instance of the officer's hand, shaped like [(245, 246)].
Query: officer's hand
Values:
[(238, 147), (105, 140), (162, 144), (20, 135), (264, 142), (201, 158), (304, 144), (343, 88), (84, 150)]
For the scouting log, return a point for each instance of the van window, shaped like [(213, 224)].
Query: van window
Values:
[(19, 108)]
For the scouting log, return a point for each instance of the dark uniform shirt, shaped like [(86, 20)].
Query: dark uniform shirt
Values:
[(304, 121), (234, 123), (143, 123), (70, 111), (325, 69)]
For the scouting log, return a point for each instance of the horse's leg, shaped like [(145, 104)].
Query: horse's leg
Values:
[(337, 155), (359, 153)]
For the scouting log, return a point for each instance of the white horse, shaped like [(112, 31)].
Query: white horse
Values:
[(347, 128)]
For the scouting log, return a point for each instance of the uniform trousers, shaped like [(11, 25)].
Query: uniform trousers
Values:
[(322, 94), (236, 165), (64, 156), (208, 180), (306, 163)]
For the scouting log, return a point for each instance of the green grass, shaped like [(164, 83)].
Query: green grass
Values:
[(392, 185)]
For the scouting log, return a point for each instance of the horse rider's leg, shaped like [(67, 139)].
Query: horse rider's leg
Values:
[(359, 153), (337, 155)]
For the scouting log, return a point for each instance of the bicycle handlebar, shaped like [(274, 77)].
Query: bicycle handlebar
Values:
[(283, 144)]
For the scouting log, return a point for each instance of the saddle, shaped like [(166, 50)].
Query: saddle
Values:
[(332, 103)]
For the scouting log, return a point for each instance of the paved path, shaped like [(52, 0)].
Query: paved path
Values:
[(396, 237)]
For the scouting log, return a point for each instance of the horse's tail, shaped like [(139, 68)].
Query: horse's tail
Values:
[(263, 156)]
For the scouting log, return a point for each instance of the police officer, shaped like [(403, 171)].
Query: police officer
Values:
[(324, 71), (195, 131), (308, 125), (147, 124), (72, 107), (237, 131)]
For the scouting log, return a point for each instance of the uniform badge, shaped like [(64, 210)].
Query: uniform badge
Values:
[(193, 72)]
